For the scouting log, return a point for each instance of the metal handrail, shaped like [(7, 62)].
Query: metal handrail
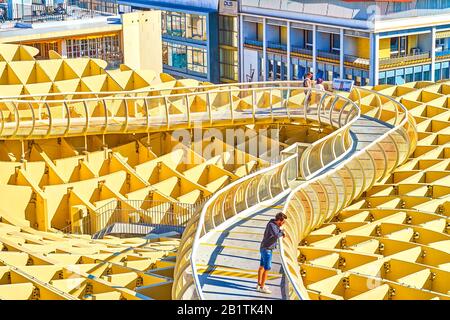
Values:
[(114, 212), (344, 129), (211, 202), (156, 89), (193, 232), (49, 125), (406, 123)]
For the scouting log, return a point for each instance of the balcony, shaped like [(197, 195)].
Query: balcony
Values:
[(253, 43), (303, 51), (277, 46), (354, 60), (405, 60), (443, 54)]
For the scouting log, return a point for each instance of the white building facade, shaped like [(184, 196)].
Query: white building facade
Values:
[(369, 42)]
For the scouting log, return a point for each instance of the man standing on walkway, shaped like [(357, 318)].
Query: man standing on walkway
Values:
[(268, 244)]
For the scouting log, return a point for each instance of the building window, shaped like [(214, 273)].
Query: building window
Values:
[(440, 44), (44, 48), (185, 58), (178, 24), (271, 68), (426, 73), (418, 73), (409, 75), (197, 60), (228, 31), (399, 46), (308, 39), (229, 64), (175, 55), (174, 24), (228, 48), (261, 67), (335, 43), (382, 78), (295, 75), (106, 47), (279, 71), (445, 70), (196, 28)]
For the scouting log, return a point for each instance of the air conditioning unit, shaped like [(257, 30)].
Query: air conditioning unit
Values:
[(415, 51)]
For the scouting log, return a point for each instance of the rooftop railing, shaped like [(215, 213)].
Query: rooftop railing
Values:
[(32, 13)]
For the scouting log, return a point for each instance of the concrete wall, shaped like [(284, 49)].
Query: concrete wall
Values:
[(359, 47), (142, 45), (424, 42)]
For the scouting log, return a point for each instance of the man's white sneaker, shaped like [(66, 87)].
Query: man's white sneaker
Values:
[(264, 290), (257, 287)]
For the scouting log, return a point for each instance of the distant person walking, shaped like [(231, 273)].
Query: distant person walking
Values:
[(319, 84), (307, 83), (268, 244), (320, 87)]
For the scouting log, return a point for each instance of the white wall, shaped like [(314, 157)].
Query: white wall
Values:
[(424, 42), (350, 46), (250, 63), (142, 44)]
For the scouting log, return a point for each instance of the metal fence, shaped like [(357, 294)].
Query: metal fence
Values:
[(135, 217), (31, 13)]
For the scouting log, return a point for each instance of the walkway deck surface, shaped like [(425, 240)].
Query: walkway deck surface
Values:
[(228, 260)]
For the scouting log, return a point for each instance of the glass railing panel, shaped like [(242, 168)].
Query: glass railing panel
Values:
[(27, 117), (177, 106), (79, 117), (296, 102), (137, 114), (60, 119), (99, 116), (379, 159), (357, 173)]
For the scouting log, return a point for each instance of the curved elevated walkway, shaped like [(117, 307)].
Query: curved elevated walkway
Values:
[(228, 258)]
